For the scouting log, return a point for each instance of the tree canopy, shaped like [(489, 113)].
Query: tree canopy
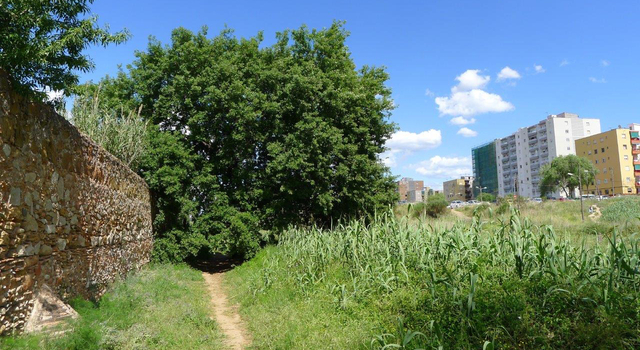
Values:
[(565, 173), (249, 137), (41, 42)]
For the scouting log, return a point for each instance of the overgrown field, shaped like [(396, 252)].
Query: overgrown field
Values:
[(161, 307), (504, 284)]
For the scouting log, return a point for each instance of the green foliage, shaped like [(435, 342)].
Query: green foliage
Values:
[(288, 134), (486, 197), (121, 132), (160, 307), (555, 175), (41, 42), (622, 210), (436, 205), (503, 283)]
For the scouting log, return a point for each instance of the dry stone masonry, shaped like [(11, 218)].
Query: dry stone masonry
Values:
[(72, 216)]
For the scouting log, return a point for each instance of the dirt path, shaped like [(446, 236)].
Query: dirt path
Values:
[(226, 314)]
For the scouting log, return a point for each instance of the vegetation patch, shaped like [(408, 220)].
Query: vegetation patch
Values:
[(504, 283), (622, 210), (160, 307)]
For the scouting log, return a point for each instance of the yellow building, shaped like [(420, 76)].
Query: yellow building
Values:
[(458, 189), (613, 153)]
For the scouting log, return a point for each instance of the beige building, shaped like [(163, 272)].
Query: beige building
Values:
[(616, 156), (410, 191), (458, 189)]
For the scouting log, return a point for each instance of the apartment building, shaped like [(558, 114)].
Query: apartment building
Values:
[(616, 156), (520, 155), (410, 191), (458, 189), (485, 169)]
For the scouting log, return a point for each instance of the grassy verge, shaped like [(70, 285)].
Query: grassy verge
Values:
[(160, 307), (480, 284)]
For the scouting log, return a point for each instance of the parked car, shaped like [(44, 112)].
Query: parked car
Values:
[(456, 204), (537, 200), (472, 202)]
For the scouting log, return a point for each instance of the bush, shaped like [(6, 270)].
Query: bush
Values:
[(436, 205), (622, 210), (486, 197)]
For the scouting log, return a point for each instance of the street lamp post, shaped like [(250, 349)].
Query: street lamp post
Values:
[(481, 188)]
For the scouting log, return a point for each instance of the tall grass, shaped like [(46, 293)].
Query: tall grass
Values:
[(507, 284)]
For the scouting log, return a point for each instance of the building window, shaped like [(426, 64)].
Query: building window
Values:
[(587, 123), (603, 161), (568, 148), (603, 149), (624, 147), (604, 170), (598, 182), (626, 168), (601, 139), (588, 142), (588, 132), (624, 136), (626, 157), (589, 152), (628, 179), (596, 161), (605, 181), (568, 139), (595, 151), (566, 131)]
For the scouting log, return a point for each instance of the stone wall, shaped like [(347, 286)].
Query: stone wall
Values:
[(72, 216)]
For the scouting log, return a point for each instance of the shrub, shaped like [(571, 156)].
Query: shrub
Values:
[(436, 205), (486, 197), (624, 209)]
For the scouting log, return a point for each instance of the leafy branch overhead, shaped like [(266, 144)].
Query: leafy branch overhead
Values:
[(41, 43)]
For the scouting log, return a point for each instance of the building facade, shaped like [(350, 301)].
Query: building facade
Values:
[(521, 155), (615, 156), (458, 189), (410, 191), (485, 169)]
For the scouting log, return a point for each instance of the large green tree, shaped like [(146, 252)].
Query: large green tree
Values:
[(41, 42), (288, 134), (565, 173)]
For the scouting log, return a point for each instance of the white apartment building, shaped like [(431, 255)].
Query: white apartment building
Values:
[(520, 155)]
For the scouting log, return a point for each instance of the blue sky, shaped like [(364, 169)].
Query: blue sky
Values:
[(446, 60)]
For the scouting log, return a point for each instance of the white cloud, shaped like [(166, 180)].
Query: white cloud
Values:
[(564, 62), (508, 73), (409, 141), (462, 121), (538, 68), (444, 167), (404, 142), (429, 93), (605, 63), (597, 81), (466, 132), (470, 80), (472, 102)]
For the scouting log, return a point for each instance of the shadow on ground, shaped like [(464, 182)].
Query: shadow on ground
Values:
[(216, 263)]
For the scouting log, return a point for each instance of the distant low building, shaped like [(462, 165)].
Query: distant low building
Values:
[(458, 189), (410, 191)]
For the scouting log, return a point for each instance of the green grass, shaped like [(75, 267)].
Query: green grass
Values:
[(412, 285), (160, 307)]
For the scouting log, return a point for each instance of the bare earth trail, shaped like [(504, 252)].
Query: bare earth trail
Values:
[(459, 214), (226, 314)]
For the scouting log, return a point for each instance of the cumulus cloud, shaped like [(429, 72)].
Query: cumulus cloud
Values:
[(469, 80), (462, 121), (564, 62), (468, 99), (605, 63), (429, 93), (444, 167), (404, 142), (597, 81), (538, 68), (469, 103), (508, 73), (466, 132), (409, 141)]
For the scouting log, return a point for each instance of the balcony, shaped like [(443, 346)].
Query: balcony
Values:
[(635, 141), (635, 150)]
